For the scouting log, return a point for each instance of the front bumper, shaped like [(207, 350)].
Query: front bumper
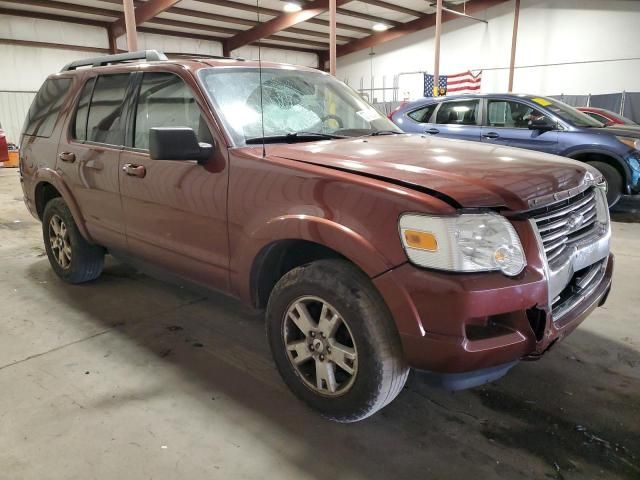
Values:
[(457, 323)]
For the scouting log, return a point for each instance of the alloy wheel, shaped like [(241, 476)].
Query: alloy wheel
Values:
[(320, 346), (59, 241)]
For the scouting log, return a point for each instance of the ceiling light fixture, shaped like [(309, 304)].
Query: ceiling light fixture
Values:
[(291, 7), (380, 27)]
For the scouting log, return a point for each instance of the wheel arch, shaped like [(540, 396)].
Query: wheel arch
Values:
[(48, 185), (595, 155), (315, 239)]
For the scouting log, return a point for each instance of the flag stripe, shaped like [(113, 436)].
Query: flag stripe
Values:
[(460, 89), (462, 82)]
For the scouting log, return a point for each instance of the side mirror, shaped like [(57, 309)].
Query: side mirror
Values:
[(542, 124), (177, 143)]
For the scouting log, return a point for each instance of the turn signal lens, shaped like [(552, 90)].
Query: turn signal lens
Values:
[(421, 240)]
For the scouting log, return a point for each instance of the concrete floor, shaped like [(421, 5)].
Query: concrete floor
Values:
[(129, 377)]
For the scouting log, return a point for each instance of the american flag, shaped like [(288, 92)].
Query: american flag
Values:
[(465, 82), (429, 84)]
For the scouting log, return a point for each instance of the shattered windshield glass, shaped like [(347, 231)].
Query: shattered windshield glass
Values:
[(293, 101)]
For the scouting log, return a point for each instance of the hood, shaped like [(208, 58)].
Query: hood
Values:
[(472, 174), (620, 130)]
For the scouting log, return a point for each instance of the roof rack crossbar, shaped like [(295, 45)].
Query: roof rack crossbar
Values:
[(148, 55)]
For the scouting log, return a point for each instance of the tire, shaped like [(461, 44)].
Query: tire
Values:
[(379, 369), (72, 258), (613, 179)]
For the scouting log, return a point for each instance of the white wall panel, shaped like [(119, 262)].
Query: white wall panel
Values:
[(38, 30), (277, 55), (172, 44), (551, 32), (13, 110)]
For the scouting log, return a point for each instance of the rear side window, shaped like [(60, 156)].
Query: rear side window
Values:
[(459, 113), (45, 108), (422, 115), (166, 101), (82, 112), (105, 123)]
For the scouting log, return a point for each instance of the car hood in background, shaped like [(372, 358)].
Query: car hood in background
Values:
[(471, 173), (620, 130)]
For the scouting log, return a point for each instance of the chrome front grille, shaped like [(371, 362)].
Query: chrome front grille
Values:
[(565, 223)]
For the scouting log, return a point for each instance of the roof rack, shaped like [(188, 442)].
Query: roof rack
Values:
[(148, 55), (200, 55)]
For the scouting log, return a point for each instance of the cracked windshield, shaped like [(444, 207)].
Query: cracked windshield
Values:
[(297, 105)]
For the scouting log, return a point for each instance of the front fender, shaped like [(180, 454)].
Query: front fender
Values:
[(343, 240), (48, 175)]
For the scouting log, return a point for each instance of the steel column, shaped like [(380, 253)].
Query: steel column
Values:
[(436, 55), (514, 40), (130, 25), (332, 36)]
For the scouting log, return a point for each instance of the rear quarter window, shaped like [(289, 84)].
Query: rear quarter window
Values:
[(46, 106)]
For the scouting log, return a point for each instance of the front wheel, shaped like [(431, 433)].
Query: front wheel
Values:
[(613, 179), (334, 341)]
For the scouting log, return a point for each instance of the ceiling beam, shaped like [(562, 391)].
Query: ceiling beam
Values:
[(53, 17), (422, 23), (279, 23), (198, 36), (394, 7), (275, 13), (69, 7), (57, 46), (364, 16), (144, 12)]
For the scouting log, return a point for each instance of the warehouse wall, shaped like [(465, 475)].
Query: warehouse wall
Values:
[(594, 45), (24, 68)]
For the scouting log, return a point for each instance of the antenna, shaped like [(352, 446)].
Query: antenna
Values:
[(264, 148)]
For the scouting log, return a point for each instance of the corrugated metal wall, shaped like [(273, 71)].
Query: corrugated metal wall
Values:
[(13, 110)]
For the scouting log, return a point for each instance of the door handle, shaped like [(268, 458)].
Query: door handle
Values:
[(134, 170), (432, 131), (491, 135), (68, 157)]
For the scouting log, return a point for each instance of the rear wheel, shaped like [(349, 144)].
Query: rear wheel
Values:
[(334, 341), (70, 255), (613, 179)]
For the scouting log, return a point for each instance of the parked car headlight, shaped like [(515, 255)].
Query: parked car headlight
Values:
[(465, 243), (631, 142)]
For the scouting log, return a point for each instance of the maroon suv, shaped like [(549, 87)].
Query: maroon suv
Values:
[(372, 251)]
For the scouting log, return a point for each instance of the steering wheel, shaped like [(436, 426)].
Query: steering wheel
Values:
[(338, 120)]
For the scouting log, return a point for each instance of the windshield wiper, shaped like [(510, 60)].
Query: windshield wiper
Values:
[(384, 132), (293, 137)]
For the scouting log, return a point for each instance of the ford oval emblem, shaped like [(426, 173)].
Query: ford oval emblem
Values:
[(575, 221)]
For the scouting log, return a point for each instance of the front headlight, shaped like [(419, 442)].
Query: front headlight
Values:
[(630, 142), (465, 243)]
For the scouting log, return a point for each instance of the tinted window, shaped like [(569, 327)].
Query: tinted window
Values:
[(165, 101), (45, 108), (423, 115), (459, 113), (504, 113), (82, 111), (105, 123)]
